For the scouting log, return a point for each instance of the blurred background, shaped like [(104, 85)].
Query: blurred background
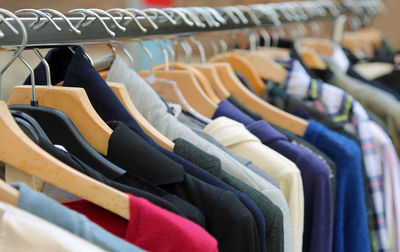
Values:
[(17, 73)]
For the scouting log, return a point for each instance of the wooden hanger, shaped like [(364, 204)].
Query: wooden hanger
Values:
[(75, 103), (170, 91), (20, 151), (373, 34), (190, 88), (104, 74), (8, 193), (200, 77), (121, 92), (265, 66), (274, 53), (210, 71), (358, 44), (311, 58), (321, 46), (243, 65), (268, 112)]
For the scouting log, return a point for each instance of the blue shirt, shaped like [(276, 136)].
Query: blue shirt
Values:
[(351, 228), (318, 223), (76, 223)]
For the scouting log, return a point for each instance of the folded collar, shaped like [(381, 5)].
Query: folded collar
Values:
[(132, 153)]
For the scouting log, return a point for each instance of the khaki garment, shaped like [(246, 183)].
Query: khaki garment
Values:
[(237, 138), (387, 108), (22, 231), (373, 70)]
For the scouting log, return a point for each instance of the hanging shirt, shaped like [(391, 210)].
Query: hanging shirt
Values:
[(187, 120), (235, 137), (132, 153), (129, 183), (273, 216), (349, 235), (391, 183), (77, 71), (149, 227), (155, 111), (22, 231), (313, 172), (343, 108), (42, 206), (387, 108)]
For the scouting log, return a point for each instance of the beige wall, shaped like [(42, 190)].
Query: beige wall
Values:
[(388, 23)]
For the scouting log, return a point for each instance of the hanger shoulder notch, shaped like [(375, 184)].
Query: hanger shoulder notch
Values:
[(75, 103), (190, 88), (20, 151), (121, 92), (211, 73)]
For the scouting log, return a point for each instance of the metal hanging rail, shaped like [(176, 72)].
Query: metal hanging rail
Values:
[(47, 27)]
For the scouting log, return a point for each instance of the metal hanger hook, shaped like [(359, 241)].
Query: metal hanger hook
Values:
[(113, 50), (200, 47), (180, 13), (102, 12), (158, 12), (140, 12), (230, 14), (211, 22), (186, 48), (46, 66), (34, 102), (165, 53), (55, 12), (251, 14), (85, 14), (171, 50), (147, 51), (12, 28), (37, 13), (125, 51), (125, 13), (24, 41), (214, 46)]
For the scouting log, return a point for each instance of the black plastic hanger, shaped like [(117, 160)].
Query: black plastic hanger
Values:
[(28, 129), (60, 130)]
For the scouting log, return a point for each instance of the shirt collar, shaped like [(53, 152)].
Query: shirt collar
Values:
[(204, 160), (265, 132), (132, 153), (225, 108), (297, 80), (229, 132)]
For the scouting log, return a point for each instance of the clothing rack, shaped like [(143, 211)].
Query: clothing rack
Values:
[(47, 27)]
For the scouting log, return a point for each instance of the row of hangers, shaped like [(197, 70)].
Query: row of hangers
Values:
[(197, 87)]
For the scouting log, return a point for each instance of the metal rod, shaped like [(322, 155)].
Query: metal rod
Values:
[(94, 30)]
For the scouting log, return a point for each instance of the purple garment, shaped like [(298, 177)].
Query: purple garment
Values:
[(318, 216)]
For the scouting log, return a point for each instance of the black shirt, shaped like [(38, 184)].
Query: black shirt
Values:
[(273, 218), (75, 163), (227, 219)]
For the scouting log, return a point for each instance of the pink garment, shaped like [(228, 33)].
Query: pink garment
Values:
[(149, 227)]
